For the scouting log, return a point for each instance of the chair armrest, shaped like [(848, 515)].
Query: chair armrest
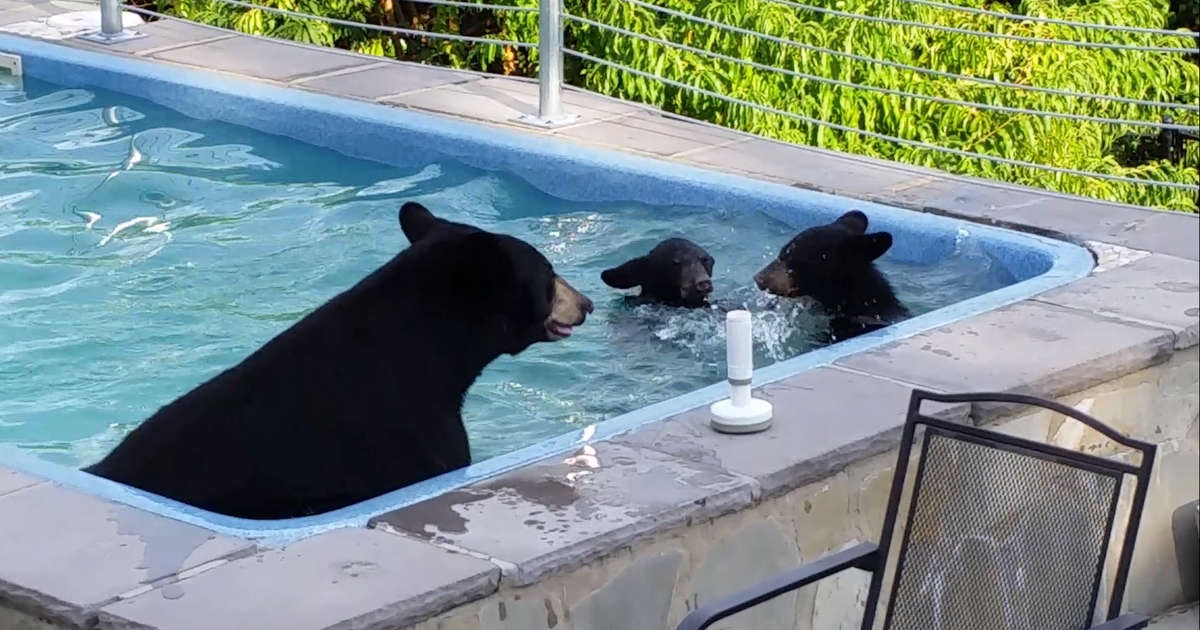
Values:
[(864, 556), (1129, 621)]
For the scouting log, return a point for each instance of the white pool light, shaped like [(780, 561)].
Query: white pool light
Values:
[(740, 413)]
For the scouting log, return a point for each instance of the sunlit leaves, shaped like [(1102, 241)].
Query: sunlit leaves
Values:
[(1058, 142)]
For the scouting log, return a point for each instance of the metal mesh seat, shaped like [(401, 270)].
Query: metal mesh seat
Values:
[(1000, 538), (997, 532)]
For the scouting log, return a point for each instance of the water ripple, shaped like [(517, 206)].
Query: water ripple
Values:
[(142, 252)]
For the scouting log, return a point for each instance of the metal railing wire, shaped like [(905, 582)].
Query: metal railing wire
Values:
[(901, 66), (966, 31), (551, 52), (1045, 20), (871, 88), (411, 32), (874, 134), (511, 8)]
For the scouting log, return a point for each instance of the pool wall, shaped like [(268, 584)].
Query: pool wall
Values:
[(642, 518), (560, 168)]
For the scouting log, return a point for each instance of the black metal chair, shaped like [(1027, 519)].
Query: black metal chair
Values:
[(998, 533)]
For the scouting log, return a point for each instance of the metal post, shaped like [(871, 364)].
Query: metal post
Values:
[(550, 56), (110, 17), (112, 25)]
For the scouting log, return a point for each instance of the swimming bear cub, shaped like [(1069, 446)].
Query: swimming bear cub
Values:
[(835, 264), (677, 272), (363, 395)]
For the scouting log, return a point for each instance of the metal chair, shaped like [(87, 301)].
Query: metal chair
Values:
[(997, 533)]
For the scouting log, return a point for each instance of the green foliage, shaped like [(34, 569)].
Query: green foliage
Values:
[(1064, 143)]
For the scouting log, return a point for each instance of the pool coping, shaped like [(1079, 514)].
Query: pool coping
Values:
[(1132, 300)]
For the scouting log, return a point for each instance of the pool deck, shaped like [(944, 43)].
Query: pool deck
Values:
[(71, 560)]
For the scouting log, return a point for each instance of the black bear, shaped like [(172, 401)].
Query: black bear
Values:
[(363, 395), (835, 264), (677, 272)]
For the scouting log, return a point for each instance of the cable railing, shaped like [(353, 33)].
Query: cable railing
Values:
[(551, 52), (783, 41), (871, 88), (384, 28), (1045, 20), (873, 134), (966, 31)]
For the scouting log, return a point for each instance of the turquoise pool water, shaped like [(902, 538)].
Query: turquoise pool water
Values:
[(141, 252)]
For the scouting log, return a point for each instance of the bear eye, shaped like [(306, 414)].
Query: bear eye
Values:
[(824, 256), (677, 262)]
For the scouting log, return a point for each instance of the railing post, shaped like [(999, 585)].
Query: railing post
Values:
[(550, 57), (112, 25)]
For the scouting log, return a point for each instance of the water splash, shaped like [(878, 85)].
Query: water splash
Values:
[(166, 544)]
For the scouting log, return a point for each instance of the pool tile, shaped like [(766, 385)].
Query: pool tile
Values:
[(1172, 233), (346, 578), (11, 480), (809, 168), (574, 100), (1159, 290), (160, 36), (387, 80), (109, 549), (825, 419), (505, 101), (13, 12), (487, 105), (563, 512), (1029, 347), (251, 56), (648, 133)]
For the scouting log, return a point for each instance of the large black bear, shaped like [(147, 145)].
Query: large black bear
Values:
[(363, 395), (835, 264), (677, 272)]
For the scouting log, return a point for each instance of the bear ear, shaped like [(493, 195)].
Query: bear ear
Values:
[(868, 247), (628, 275), (855, 220), (416, 221)]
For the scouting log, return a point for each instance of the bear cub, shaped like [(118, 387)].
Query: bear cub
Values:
[(677, 272), (835, 265)]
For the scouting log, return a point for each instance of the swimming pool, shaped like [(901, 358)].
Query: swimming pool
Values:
[(147, 264)]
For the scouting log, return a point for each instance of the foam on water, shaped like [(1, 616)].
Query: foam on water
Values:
[(142, 252)]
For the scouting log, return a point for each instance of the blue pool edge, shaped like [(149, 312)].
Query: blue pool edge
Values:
[(1068, 262)]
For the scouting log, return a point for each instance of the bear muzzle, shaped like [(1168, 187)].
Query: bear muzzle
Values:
[(568, 309), (775, 279)]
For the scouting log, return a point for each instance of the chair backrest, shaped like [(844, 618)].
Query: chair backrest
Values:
[(999, 531)]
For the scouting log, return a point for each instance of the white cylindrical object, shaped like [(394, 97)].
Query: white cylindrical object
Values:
[(739, 395), (740, 413), (739, 356), (739, 346)]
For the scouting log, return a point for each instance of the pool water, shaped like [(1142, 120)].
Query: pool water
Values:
[(142, 252)]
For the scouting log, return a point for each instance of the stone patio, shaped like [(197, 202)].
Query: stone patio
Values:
[(700, 513)]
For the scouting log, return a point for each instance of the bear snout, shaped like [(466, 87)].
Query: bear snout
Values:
[(570, 307), (774, 278)]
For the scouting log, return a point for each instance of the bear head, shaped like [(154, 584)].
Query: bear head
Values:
[(825, 261), (676, 272), (502, 282)]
